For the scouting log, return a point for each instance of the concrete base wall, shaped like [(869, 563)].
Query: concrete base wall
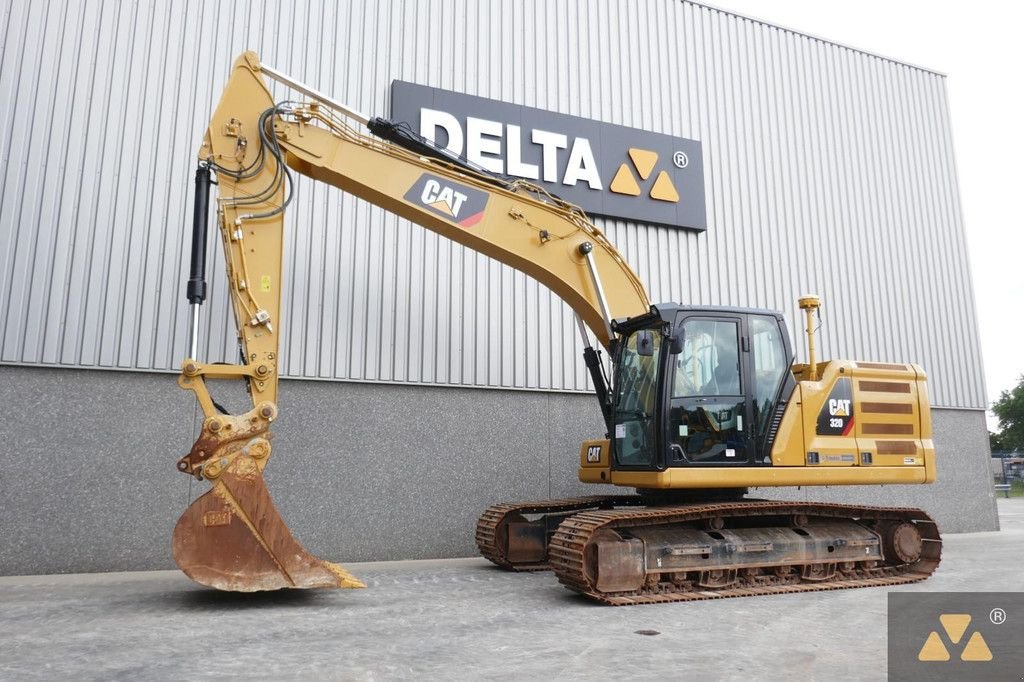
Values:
[(360, 472)]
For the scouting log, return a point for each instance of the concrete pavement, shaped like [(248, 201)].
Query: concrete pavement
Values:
[(461, 619)]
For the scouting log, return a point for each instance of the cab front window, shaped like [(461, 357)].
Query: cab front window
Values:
[(636, 389)]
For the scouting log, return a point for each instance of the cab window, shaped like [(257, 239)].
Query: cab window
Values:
[(708, 405), (769, 365), (636, 398), (709, 364)]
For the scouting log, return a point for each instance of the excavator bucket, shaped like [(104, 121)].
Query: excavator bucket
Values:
[(233, 538)]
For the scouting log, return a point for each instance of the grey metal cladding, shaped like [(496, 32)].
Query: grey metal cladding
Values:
[(827, 170)]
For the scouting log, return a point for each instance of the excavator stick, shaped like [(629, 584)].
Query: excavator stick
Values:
[(232, 537)]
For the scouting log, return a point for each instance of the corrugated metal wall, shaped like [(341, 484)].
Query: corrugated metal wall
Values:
[(828, 170)]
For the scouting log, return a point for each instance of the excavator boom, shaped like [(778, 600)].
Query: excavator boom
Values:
[(232, 537)]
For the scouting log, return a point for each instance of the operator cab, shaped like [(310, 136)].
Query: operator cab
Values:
[(699, 386)]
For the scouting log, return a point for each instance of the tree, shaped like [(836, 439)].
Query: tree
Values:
[(1009, 409), (995, 442)]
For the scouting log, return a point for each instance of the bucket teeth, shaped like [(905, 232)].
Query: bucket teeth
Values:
[(345, 579), (233, 538)]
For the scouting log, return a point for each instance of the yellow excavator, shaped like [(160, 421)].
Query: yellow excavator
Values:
[(702, 402)]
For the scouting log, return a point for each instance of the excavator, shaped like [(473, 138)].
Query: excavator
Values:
[(701, 403)]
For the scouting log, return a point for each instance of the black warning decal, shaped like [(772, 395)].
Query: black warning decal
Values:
[(836, 416)]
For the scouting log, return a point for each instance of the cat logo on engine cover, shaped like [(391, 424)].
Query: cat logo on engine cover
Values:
[(836, 416)]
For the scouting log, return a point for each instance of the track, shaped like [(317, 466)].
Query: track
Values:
[(586, 523), (493, 527)]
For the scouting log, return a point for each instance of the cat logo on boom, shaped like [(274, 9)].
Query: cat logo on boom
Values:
[(452, 201)]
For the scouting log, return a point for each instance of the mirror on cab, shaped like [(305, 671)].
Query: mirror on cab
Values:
[(645, 343)]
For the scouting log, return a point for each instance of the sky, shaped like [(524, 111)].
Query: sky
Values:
[(978, 45)]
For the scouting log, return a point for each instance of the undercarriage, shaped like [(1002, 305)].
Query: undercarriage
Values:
[(622, 550)]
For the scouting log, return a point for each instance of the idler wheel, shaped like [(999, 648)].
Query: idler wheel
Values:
[(903, 542)]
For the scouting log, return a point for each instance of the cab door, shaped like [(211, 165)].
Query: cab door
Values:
[(709, 415)]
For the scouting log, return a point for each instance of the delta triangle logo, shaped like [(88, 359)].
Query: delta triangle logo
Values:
[(955, 625), (643, 161)]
